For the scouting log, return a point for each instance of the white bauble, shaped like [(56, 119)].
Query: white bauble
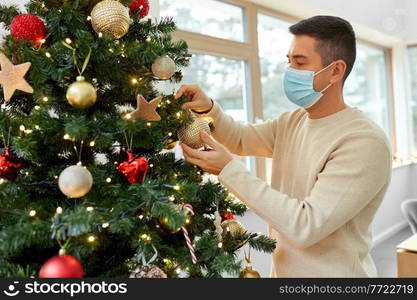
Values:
[(163, 67), (75, 181)]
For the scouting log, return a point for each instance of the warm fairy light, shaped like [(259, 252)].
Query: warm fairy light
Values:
[(56, 176), (149, 124), (22, 128), (145, 237), (91, 238), (28, 131), (90, 208), (89, 18), (59, 210), (105, 225), (42, 41), (175, 175), (176, 187), (151, 165), (187, 221), (26, 173), (45, 99), (66, 136), (92, 143), (100, 34), (134, 80), (178, 114), (37, 127), (178, 270), (68, 41), (227, 228), (1, 180), (108, 179), (220, 245), (140, 217), (111, 50), (128, 116), (168, 102), (171, 198), (170, 133), (37, 107), (148, 39), (48, 55), (32, 213)]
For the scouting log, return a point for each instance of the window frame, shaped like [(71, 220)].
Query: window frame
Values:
[(248, 51)]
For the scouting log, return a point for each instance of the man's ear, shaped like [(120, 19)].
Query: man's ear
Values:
[(339, 70)]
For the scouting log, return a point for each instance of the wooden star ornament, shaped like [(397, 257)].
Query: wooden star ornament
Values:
[(146, 110), (12, 77)]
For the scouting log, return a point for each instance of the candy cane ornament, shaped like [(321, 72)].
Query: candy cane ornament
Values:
[(189, 208)]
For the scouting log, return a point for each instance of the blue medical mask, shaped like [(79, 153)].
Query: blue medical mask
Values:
[(298, 86)]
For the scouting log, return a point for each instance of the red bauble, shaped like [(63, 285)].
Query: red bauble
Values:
[(28, 27), (62, 266), (140, 7), (134, 169), (9, 165), (228, 216)]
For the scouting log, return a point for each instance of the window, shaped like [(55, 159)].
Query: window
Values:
[(367, 86), (274, 41), (208, 17), (412, 62)]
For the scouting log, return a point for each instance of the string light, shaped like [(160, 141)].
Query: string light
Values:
[(42, 41), (1, 180), (141, 217), (128, 116), (59, 210), (170, 133), (151, 165), (37, 107), (48, 55), (92, 143), (134, 81), (90, 208), (105, 225), (22, 128), (68, 41), (220, 245), (176, 187), (66, 136), (178, 270), (178, 114), (37, 127), (187, 221), (45, 99), (108, 179), (56, 176), (148, 39), (89, 18), (100, 34), (32, 213), (168, 102), (171, 198), (149, 124), (91, 238)]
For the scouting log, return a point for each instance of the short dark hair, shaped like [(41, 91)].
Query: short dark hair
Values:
[(335, 39)]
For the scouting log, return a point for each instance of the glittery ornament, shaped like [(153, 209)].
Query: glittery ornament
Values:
[(11, 77), (110, 17), (139, 7), (233, 226), (146, 110), (163, 67), (9, 165), (75, 181), (28, 27), (148, 271), (134, 169), (190, 135)]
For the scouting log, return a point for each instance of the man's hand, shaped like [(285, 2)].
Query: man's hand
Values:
[(212, 161), (197, 100)]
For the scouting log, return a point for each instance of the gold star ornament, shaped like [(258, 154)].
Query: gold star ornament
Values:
[(11, 77), (146, 110)]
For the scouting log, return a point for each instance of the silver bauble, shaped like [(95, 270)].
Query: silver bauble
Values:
[(75, 181), (163, 67)]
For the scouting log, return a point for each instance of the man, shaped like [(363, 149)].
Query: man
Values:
[(331, 164)]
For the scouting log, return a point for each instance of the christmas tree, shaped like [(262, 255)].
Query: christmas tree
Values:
[(90, 182)]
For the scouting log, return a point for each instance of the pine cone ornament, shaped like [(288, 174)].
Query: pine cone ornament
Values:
[(148, 271)]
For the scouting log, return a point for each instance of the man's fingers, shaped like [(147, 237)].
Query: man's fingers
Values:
[(193, 160), (191, 152), (185, 89), (180, 92), (208, 139)]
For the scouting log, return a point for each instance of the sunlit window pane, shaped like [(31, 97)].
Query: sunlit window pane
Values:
[(366, 87), (208, 17), (412, 55), (274, 43)]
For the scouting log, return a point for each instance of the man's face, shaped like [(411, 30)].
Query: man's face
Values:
[(303, 56)]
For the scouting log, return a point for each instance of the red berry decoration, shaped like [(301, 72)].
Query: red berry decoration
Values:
[(9, 165), (140, 7), (134, 169), (28, 27), (62, 266)]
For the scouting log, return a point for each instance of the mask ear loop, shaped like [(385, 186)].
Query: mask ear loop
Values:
[(325, 68)]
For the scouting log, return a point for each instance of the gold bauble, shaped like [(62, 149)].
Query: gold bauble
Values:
[(75, 181), (248, 272), (190, 135), (110, 17), (233, 226), (167, 227), (170, 144), (81, 94), (164, 67)]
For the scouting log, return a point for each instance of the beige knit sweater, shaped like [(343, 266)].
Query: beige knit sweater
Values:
[(329, 176)]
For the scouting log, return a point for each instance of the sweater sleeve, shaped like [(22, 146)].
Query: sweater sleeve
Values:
[(243, 139), (354, 174)]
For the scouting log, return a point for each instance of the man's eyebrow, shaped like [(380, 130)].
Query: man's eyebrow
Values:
[(297, 56)]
